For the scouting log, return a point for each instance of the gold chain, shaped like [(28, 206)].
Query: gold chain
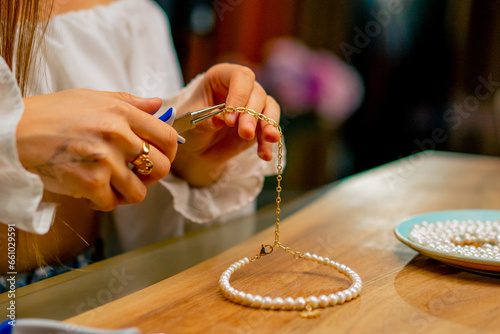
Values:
[(268, 249)]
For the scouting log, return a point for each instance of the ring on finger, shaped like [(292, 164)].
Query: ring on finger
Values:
[(143, 164)]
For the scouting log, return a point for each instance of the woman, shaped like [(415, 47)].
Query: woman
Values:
[(125, 46)]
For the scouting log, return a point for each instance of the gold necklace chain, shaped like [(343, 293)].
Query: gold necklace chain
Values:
[(307, 305), (268, 249)]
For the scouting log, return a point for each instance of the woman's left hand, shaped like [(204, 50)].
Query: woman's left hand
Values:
[(214, 141)]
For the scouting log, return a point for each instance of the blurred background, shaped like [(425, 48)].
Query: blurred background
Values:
[(360, 83)]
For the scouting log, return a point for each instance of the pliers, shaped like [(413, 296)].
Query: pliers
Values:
[(189, 120)]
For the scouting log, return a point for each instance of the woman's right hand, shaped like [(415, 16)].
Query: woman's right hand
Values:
[(80, 143)]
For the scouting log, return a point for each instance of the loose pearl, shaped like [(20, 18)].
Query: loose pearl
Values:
[(277, 303), (288, 303), (472, 238), (300, 303), (313, 301), (323, 301)]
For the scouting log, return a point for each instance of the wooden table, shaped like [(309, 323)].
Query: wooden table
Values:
[(403, 292)]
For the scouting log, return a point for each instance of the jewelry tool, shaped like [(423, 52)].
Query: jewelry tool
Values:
[(189, 120)]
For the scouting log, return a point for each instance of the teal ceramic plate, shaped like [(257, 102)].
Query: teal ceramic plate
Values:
[(402, 231)]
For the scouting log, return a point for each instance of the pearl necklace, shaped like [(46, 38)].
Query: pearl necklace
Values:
[(308, 304), (477, 239)]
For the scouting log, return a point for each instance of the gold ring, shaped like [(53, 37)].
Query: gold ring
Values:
[(142, 163)]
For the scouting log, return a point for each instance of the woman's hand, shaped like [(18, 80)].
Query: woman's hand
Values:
[(80, 143), (214, 141)]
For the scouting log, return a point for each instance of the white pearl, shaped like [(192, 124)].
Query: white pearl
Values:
[(333, 299), (300, 303), (320, 259), (277, 303), (233, 294), (341, 296), (348, 295), (240, 296), (267, 302), (314, 257), (246, 260), (257, 301), (354, 292), (288, 303), (342, 267), (313, 300), (307, 256), (323, 301), (247, 299), (453, 236)]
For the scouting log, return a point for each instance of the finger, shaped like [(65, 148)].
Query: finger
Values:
[(130, 146), (270, 133), (97, 188), (264, 148), (156, 132), (240, 82), (247, 123), (126, 185), (86, 172), (149, 105), (161, 167)]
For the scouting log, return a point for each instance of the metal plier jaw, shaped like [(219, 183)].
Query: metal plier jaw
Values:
[(189, 120)]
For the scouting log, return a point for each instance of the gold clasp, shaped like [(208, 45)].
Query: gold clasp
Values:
[(263, 250), (309, 312)]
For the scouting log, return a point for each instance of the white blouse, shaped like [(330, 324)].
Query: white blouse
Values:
[(126, 46), (20, 191)]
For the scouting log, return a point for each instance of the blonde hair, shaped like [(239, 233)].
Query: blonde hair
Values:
[(22, 26)]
